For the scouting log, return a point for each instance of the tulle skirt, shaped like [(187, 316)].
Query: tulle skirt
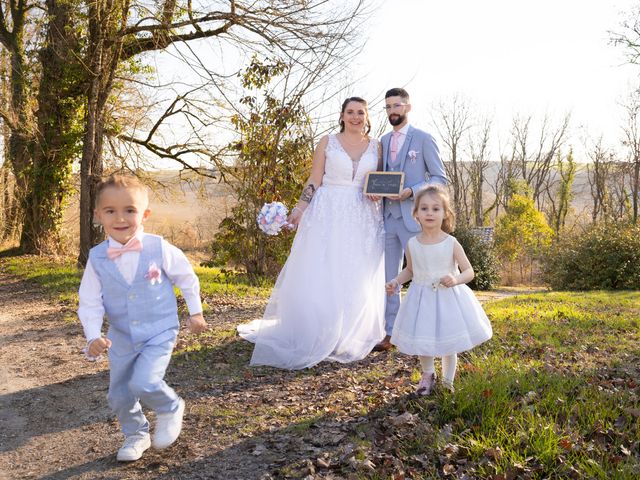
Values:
[(328, 301), (440, 322)]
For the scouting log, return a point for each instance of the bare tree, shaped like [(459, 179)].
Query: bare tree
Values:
[(506, 175), (631, 141), (452, 122), (598, 174), (305, 33), (628, 37), (536, 158), (476, 170), (61, 79), (559, 191)]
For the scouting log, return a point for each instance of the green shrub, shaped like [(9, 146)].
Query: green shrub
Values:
[(482, 257), (272, 160), (603, 256)]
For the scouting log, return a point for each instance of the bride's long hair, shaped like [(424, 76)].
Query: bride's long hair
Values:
[(366, 109)]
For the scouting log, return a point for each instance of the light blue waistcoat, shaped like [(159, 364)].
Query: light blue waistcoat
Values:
[(143, 309)]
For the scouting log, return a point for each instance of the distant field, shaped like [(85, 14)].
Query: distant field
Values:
[(186, 214)]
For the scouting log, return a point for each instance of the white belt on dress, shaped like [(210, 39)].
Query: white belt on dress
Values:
[(432, 282)]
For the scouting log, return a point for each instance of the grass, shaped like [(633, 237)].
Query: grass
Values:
[(217, 281), (61, 278), (554, 394)]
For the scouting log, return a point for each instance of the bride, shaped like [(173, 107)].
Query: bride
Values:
[(328, 301)]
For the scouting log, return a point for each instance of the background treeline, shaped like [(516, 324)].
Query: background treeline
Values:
[(80, 99), (82, 89)]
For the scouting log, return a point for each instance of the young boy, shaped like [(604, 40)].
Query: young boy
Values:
[(130, 277)]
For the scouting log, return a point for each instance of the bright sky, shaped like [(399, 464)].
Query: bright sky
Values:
[(507, 57)]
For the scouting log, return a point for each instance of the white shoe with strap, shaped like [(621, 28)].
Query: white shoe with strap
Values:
[(426, 384)]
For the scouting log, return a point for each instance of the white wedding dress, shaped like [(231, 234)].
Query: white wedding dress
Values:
[(328, 301)]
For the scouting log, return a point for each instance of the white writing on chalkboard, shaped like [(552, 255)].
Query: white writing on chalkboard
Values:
[(384, 183)]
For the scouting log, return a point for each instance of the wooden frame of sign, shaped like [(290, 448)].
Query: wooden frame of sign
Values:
[(383, 184)]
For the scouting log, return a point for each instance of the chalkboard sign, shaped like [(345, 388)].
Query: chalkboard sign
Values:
[(384, 184)]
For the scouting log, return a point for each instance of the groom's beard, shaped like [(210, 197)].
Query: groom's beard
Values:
[(395, 119)]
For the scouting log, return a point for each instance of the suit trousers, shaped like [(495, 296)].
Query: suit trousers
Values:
[(396, 238), (137, 375)]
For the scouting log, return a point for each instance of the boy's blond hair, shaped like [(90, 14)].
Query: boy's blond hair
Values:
[(449, 222), (118, 180)]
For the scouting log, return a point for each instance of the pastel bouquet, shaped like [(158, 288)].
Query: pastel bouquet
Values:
[(272, 217)]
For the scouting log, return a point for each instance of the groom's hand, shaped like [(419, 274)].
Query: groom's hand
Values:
[(404, 194)]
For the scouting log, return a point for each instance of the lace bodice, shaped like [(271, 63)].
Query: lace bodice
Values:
[(341, 169)]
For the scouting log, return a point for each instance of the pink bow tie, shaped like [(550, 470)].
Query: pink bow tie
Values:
[(133, 245)]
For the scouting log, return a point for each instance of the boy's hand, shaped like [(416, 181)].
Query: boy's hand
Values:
[(196, 323), (98, 346), (448, 281), (391, 287)]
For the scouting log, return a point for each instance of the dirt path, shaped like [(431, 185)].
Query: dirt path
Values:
[(55, 422), (52, 401)]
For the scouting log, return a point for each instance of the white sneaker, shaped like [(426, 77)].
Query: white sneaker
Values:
[(133, 447), (168, 427)]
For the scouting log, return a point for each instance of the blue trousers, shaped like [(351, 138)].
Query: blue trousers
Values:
[(395, 242), (137, 375)]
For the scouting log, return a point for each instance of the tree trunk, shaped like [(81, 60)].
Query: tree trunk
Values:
[(17, 154), (56, 145), (635, 189), (90, 173), (105, 20)]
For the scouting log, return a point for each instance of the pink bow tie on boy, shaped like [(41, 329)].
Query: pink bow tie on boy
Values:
[(133, 245)]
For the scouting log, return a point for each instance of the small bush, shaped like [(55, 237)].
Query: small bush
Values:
[(483, 260), (603, 256)]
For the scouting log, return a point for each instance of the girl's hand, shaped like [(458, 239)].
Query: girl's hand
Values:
[(392, 287), (98, 346), (448, 281), (197, 324)]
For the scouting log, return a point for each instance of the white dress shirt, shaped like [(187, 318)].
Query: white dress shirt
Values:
[(175, 265), (402, 137)]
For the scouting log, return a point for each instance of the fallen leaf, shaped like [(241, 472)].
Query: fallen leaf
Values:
[(449, 469), (493, 453), (487, 393), (566, 444)]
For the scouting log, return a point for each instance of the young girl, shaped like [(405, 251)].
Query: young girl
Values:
[(440, 316), (130, 278)]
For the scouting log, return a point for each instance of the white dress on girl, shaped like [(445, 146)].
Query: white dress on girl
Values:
[(328, 300), (434, 320)]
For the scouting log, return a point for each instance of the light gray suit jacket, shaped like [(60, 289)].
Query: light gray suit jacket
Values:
[(420, 161)]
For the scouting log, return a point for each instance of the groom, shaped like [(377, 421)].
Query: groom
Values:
[(414, 152)]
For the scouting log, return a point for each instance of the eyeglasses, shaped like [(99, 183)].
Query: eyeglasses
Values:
[(394, 106)]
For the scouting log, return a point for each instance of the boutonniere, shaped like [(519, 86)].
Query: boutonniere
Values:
[(154, 275), (413, 155)]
